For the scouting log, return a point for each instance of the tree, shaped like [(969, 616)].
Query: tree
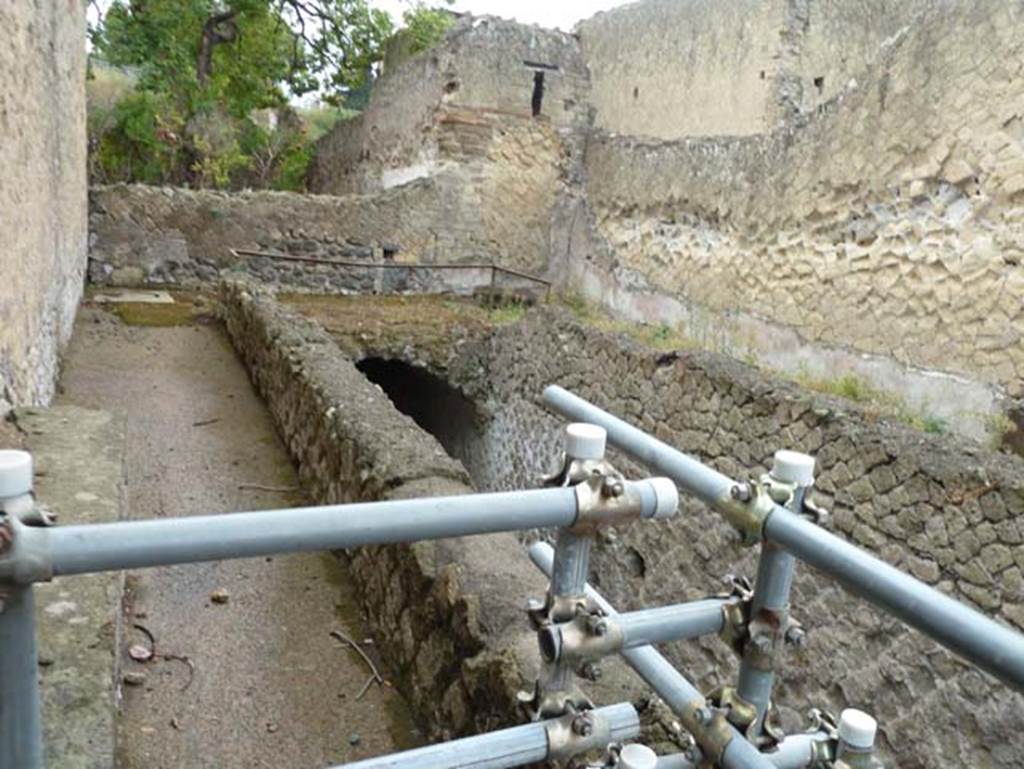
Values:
[(203, 69), (245, 54)]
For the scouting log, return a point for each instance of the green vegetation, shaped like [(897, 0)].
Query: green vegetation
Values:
[(198, 92), (660, 336), (425, 26), (1000, 428), (875, 402), (509, 312)]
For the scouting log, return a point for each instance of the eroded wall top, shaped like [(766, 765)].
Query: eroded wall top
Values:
[(441, 104), (672, 69)]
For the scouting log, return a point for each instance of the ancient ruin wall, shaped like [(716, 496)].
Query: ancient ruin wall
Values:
[(142, 234), (671, 69), (665, 69), (445, 613), (950, 516), (42, 193), (464, 110), (443, 107), (890, 223)]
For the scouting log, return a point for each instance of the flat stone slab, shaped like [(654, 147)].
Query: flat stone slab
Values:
[(134, 297), (78, 456)]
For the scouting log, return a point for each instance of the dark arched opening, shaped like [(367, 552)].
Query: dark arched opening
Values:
[(436, 406)]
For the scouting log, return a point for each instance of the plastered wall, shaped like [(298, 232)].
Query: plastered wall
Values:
[(669, 69), (42, 192)]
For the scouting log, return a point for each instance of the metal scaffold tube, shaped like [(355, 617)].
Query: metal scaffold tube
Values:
[(137, 544), (517, 746), (671, 623), (577, 640), (679, 694), (796, 751), (792, 473), (692, 476), (20, 717), (991, 646)]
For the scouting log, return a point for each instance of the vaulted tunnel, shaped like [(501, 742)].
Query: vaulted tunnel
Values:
[(436, 406)]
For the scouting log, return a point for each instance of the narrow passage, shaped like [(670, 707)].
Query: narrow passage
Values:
[(271, 687)]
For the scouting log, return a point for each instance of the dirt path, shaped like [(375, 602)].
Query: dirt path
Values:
[(271, 688)]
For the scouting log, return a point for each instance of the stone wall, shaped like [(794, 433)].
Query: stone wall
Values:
[(830, 188), (665, 69), (446, 614), (669, 69), (464, 110), (143, 234), (881, 235), (952, 515), (445, 106), (42, 193)]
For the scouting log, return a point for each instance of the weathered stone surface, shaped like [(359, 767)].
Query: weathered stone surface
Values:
[(853, 225), (42, 193), (824, 203), (78, 462), (441, 610), (143, 234)]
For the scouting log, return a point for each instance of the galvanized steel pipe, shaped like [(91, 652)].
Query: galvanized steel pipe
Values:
[(991, 646), (21, 731), (671, 623), (796, 751), (692, 476), (138, 544), (517, 746), (678, 693)]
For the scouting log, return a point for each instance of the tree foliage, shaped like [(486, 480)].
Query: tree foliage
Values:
[(244, 54), (425, 25), (204, 67), (212, 82)]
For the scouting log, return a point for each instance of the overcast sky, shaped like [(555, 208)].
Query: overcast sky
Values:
[(561, 14)]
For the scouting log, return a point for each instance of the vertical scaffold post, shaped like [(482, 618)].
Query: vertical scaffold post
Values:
[(557, 688), (21, 733), (791, 476)]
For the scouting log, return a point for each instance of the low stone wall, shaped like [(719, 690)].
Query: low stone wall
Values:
[(165, 235), (446, 614), (946, 511), (141, 234)]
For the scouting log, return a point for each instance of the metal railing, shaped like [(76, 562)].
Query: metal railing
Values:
[(494, 269), (732, 727)]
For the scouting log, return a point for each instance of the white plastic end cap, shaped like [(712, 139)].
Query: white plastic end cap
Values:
[(585, 441), (15, 473), (635, 756), (793, 467), (857, 729), (666, 498)]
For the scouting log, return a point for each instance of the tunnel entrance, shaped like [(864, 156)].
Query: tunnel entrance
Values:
[(434, 405)]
